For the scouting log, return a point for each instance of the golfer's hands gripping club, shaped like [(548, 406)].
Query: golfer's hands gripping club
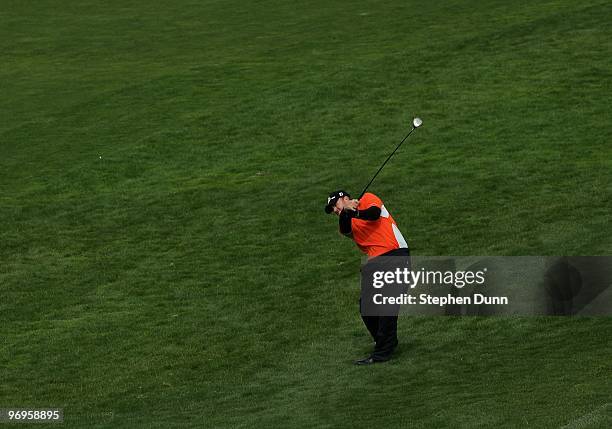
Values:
[(352, 205), (350, 208)]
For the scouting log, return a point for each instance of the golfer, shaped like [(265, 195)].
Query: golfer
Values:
[(370, 225)]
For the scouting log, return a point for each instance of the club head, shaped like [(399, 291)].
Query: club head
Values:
[(417, 122)]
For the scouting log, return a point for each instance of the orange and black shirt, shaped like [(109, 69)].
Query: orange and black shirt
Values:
[(372, 227)]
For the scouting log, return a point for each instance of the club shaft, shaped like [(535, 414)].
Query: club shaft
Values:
[(384, 163)]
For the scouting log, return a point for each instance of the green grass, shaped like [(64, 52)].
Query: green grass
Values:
[(165, 260)]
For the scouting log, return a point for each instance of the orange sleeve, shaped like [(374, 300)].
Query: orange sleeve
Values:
[(369, 200)]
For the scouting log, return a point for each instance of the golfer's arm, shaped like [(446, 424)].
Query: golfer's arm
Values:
[(345, 223), (371, 214)]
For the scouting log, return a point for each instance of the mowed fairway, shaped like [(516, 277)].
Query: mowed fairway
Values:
[(164, 256)]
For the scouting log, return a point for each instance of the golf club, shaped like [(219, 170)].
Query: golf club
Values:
[(416, 123)]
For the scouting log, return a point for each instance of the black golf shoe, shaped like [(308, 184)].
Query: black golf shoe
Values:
[(364, 361), (369, 361)]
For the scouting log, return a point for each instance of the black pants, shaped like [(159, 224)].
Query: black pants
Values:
[(383, 329)]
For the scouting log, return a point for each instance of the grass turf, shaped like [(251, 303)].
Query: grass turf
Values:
[(165, 260)]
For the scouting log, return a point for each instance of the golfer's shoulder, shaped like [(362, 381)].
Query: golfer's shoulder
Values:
[(369, 200)]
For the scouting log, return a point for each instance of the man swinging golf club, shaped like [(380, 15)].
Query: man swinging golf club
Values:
[(370, 225)]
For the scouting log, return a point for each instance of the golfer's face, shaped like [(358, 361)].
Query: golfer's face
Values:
[(339, 205)]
